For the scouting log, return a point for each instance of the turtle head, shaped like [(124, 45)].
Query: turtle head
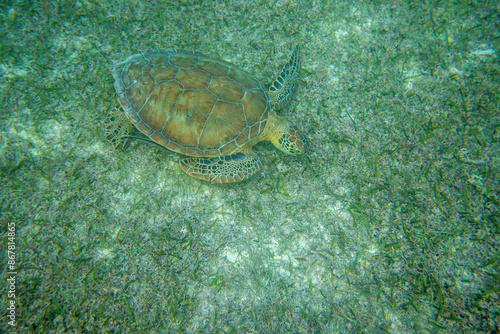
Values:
[(287, 138)]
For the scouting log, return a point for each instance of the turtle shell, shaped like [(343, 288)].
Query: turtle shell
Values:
[(191, 103)]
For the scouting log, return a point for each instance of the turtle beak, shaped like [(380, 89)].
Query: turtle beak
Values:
[(301, 142)]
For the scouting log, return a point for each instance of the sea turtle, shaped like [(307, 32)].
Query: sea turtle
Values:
[(208, 110)]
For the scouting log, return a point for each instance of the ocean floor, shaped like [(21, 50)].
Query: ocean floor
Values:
[(389, 224)]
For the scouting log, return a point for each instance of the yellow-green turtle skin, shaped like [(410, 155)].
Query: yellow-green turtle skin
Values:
[(204, 108)]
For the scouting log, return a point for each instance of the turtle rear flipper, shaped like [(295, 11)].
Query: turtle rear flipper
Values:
[(117, 127), (225, 169), (281, 89)]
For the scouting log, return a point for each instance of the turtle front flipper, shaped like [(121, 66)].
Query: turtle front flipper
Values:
[(281, 89), (226, 169)]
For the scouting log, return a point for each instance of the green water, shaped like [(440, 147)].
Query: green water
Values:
[(389, 224)]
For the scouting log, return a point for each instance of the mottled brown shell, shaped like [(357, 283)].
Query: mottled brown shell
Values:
[(191, 103)]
